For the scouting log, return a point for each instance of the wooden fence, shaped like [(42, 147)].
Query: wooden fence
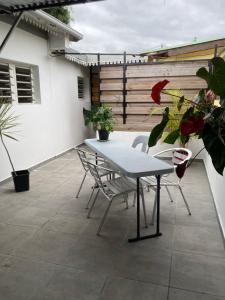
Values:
[(127, 88)]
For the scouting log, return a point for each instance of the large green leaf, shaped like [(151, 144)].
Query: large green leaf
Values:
[(172, 137), (216, 80), (204, 74), (157, 131), (215, 147)]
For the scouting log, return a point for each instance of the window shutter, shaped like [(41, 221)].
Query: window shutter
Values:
[(5, 83), (80, 81), (24, 84)]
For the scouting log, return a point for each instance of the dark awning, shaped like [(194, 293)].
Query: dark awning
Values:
[(12, 6)]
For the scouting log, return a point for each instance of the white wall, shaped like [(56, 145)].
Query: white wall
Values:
[(55, 125), (217, 183)]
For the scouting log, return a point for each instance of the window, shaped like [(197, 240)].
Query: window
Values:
[(80, 82), (5, 84), (19, 83)]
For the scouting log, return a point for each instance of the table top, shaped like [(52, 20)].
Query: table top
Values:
[(131, 162)]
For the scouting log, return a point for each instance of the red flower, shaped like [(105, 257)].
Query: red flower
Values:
[(210, 96), (156, 90), (194, 124)]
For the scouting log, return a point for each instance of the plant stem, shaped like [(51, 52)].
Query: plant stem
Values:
[(195, 157), (185, 99), (10, 160)]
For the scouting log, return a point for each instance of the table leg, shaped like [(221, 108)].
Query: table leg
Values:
[(158, 233)]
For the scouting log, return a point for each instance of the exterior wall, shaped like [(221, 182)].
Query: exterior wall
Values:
[(217, 184), (195, 55), (56, 124)]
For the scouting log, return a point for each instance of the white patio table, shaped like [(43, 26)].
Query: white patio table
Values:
[(135, 164)]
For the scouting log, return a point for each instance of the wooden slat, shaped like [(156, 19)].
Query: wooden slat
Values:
[(165, 70), (175, 83), (115, 84)]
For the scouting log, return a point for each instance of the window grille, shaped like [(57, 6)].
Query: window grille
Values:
[(19, 83), (24, 85)]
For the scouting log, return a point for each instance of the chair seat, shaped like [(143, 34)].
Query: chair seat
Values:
[(120, 185), (152, 182)]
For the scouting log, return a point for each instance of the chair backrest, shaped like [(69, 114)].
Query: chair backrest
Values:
[(143, 140), (180, 158), (94, 170), (83, 158)]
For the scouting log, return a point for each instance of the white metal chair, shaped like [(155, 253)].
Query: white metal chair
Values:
[(120, 186), (87, 156), (180, 158), (141, 140)]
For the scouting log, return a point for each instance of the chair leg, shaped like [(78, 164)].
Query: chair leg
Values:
[(134, 199), (93, 204), (168, 191), (89, 200), (126, 200), (104, 217), (154, 209), (185, 201), (82, 182), (144, 209)]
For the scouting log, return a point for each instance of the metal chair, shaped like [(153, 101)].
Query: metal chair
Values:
[(87, 156), (143, 140), (180, 158), (120, 186)]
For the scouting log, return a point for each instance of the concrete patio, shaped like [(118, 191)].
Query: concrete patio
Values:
[(49, 250)]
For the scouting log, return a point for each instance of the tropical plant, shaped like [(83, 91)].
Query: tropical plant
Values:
[(175, 115), (101, 117), (61, 13), (203, 118), (7, 122)]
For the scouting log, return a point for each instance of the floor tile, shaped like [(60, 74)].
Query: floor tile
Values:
[(176, 294), (124, 289), (200, 273), (204, 240), (71, 284), (21, 278)]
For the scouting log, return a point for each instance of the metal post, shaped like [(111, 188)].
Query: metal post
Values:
[(138, 208), (91, 84), (14, 25), (124, 87), (99, 80), (158, 205)]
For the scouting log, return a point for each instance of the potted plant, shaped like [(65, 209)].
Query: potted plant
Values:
[(7, 122), (101, 118), (203, 118)]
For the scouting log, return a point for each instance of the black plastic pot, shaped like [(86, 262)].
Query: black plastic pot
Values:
[(21, 180), (103, 135)]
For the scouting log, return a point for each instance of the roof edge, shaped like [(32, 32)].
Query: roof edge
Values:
[(74, 35)]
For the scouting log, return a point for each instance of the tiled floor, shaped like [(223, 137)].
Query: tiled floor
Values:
[(49, 250)]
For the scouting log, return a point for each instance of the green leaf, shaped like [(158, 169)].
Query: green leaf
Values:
[(180, 103), (157, 131), (216, 80), (204, 74), (172, 137), (188, 113), (215, 147), (184, 139)]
